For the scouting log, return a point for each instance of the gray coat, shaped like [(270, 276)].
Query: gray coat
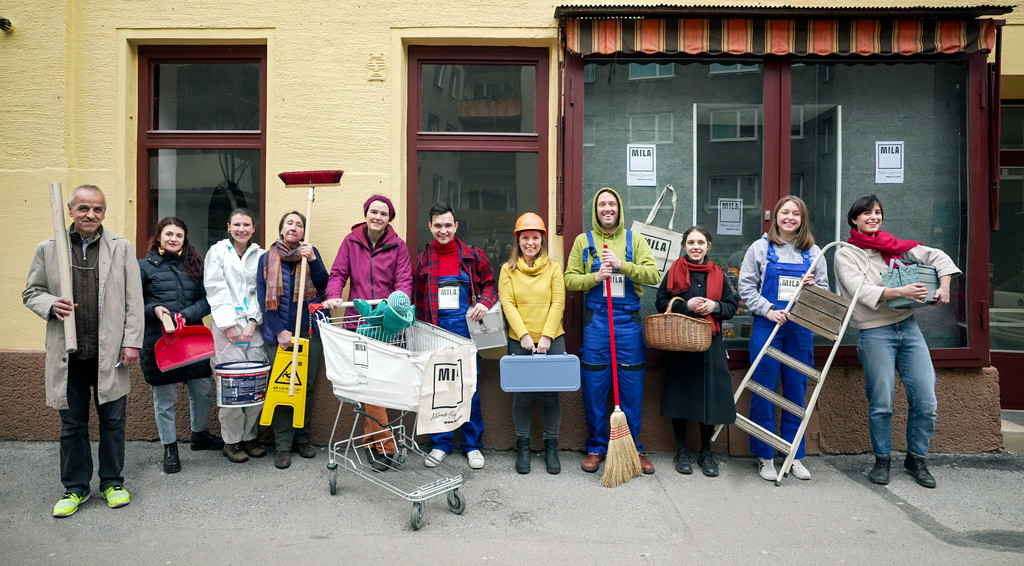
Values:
[(121, 319)]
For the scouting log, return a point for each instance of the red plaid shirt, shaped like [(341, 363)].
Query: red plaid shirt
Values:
[(425, 279)]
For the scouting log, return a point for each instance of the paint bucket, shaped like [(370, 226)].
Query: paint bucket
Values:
[(242, 383)]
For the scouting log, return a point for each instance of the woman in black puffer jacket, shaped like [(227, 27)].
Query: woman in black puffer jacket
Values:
[(172, 282)]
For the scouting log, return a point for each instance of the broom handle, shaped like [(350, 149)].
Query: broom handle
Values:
[(302, 292), (611, 331), (60, 238)]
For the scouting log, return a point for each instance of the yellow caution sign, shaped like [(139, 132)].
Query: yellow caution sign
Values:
[(279, 390)]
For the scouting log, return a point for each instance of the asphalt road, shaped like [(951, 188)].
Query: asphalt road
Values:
[(216, 512)]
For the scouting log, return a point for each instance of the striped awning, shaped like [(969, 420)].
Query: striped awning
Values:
[(764, 36)]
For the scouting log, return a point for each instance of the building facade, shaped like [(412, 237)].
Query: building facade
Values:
[(497, 111)]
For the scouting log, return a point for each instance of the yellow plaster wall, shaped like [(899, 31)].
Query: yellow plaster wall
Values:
[(72, 116), (69, 92)]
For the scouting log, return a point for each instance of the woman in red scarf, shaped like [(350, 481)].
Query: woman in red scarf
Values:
[(697, 385), (277, 287), (890, 338)]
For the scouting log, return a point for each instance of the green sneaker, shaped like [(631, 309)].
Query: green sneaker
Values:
[(117, 496), (68, 504)]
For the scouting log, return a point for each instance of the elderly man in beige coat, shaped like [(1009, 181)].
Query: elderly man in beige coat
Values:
[(109, 316)]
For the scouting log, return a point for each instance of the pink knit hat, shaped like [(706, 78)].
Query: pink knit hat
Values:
[(385, 200)]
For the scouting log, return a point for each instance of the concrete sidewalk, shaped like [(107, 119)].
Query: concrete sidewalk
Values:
[(216, 512)]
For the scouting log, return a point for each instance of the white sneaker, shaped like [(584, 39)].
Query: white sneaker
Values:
[(476, 459), (436, 455), (766, 467), (799, 471)]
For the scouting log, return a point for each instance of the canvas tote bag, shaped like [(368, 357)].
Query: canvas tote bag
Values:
[(667, 245), (446, 396)]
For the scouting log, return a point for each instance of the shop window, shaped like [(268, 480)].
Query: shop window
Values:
[(734, 125), (589, 130), (796, 123), (201, 137), (724, 69), (492, 165), (834, 114), (650, 128), (651, 70)]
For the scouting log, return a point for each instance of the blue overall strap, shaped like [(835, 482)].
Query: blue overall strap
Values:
[(771, 256), (629, 246), (596, 263), (807, 257)]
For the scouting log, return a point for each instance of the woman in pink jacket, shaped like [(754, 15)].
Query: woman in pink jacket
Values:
[(374, 261)]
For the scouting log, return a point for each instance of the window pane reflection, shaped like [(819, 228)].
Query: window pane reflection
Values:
[(488, 190), (925, 106), (207, 96), (202, 187), (478, 98)]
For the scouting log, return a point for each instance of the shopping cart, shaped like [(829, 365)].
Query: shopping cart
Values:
[(366, 366)]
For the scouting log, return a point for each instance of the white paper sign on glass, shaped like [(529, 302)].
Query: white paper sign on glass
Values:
[(641, 165), (730, 216), (889, 162)]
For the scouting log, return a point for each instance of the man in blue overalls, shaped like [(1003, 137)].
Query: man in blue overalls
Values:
[(451, 280), (628, 262)]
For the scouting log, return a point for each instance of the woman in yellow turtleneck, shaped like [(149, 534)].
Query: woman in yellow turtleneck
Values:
[(532, 293)]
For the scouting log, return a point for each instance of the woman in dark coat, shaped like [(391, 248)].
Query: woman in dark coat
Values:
[(697, 385), (172, 282)]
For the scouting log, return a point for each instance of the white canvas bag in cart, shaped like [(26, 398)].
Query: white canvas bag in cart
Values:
[(370, 371), (667, 245), (446, 394)]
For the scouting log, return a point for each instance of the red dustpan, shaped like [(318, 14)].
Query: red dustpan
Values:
[(182, 345)]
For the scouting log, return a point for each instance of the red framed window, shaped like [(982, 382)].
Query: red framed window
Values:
[(478, 140), (201, 137)]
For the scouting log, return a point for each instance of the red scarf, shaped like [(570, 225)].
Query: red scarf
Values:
[(272, 274), (679, 282), (888, 245)]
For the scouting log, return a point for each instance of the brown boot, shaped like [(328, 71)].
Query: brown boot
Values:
[(235, 453)]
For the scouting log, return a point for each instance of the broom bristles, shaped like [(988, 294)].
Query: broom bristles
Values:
[(623, 462), (306, 178)]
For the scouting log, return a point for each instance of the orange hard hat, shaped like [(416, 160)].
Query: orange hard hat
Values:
[(529, 221)]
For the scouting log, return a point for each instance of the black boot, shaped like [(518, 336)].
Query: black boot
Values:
[(203, 440), (916, 466), (523, 454), (880, 473), (172, 464), (682, 461), (551, 456)]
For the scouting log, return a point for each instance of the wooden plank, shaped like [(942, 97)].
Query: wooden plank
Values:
[(776, 399), (817, 296), (816, 322), (794, 363), (755, 430)]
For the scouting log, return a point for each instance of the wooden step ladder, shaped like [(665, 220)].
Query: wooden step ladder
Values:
[(823, 313)]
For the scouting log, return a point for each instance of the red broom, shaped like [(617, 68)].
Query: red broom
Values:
[(623, 462), (311, 179)]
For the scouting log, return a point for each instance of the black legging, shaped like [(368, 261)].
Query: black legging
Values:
[(679, 426)]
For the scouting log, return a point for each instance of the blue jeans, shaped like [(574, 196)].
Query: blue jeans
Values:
[(882, 351), (199, 404)]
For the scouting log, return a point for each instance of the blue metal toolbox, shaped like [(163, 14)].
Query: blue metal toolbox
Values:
[(539, 372)]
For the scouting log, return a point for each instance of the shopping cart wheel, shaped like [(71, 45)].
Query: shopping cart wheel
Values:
[(332, 477), (456, 501), (417, 515)]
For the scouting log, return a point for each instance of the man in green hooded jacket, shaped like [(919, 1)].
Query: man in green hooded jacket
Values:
[(611, 256)]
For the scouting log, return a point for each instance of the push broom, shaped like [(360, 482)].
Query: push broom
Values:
[(623, 462), (311, 179)]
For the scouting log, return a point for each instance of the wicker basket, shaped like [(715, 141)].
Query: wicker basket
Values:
[(677, 332)]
